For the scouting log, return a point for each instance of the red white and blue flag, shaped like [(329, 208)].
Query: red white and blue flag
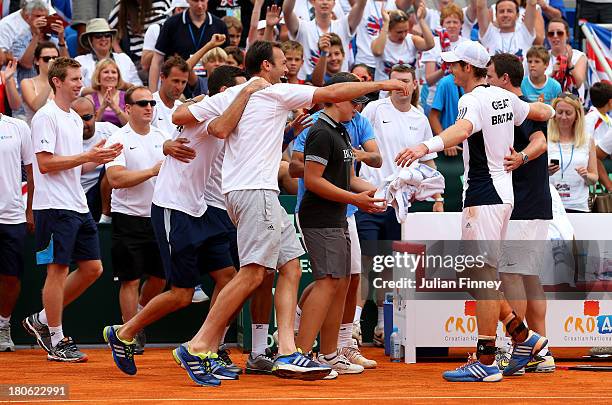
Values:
[(603, 39)]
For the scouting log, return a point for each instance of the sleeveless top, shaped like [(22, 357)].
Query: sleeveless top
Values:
[(109, 115), (29, 113)]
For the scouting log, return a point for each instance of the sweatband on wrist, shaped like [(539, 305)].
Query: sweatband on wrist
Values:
[(435, 144)]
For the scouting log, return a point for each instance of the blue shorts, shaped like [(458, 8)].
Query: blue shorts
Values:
[(189, 245), (64, 236), (231, 233), (12, 240)]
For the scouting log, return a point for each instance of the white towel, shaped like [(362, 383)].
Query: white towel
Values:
[(416, 182)]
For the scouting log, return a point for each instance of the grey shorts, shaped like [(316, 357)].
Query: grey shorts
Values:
[(329, 250), (265, 234)]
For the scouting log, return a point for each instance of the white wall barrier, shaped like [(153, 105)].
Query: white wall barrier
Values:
[(452, 323)]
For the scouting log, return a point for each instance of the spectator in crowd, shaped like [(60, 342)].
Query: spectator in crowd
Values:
[(331, 60), (98, 40), (21, 31), (567, 65), (9, 95), (604, 151), (174, 76), (235, 57), (132, 176), (85, 10), (305, 9), (595, 11), (234, 30), (539, 19), (105, 93), (36, 91), (93, 178), (445, 108), (308, 33), (451, 19), (434, 16), (210, 56), (150, 38), (263, 29), (184, 34), (573, 162), (552, 9), (15, 217), (131, 19), (370, 26), (363, 72), (536, 85), (294, 53), (596, 121), (511, 35), (401, 47)]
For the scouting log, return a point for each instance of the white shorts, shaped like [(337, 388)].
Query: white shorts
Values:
[(355, 247), (486, 224), (520, 254)]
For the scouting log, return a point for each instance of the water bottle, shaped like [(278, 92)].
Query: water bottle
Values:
[(396, 346)]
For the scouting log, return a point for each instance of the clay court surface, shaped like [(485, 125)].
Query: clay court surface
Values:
[(161, 381)]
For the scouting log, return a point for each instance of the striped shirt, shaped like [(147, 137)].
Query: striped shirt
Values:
[(157, 16)]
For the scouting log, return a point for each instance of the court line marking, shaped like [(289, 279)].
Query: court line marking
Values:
[(286, 399)]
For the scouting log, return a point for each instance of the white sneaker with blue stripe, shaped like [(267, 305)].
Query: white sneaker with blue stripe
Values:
[(298, 366), (522, 353), (474, 371)]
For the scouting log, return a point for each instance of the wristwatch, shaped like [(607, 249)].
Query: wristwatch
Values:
[(525, 157)]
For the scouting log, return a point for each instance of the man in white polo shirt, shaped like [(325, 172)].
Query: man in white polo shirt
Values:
[(132, 176), (510, 34), (15, 149), (65, 230), (485, 125), (266, 238), (174, 75)]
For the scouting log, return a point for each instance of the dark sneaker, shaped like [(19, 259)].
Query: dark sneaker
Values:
[(141, 341), (298, 366), (261, 364), (66, 351), (123, 352), (6, 343), (225, 360), (198, 367), (39, 330)]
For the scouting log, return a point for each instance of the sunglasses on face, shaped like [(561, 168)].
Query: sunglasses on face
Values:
[(552, 34), (87, 117), (46, 59), (144, 103), (102, 35)]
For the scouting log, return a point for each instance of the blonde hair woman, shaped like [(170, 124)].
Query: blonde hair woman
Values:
[(108, 100), (571, 152)]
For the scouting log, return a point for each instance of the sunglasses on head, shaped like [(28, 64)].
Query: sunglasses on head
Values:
[(568, 95), (101, 35), (552, 34), (87, 117), (144, 103), (46, 59), (397, 17)]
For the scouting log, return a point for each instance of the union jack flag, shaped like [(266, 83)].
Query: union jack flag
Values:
[(374, 25)]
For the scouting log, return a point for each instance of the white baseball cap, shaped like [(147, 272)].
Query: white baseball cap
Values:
[(470, 52), (175, 4)]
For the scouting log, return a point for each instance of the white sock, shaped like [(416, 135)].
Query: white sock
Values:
[(298, 317), (259, 338), (357, 318), (381, 317), (505, 343), (330, 356), (42, 317), (139, 308), (4, 321), (345, 336), (57, 334), (224, 333)]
